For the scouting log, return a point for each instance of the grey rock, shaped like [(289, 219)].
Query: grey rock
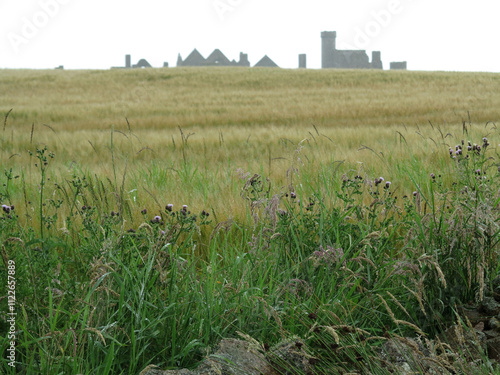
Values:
[(494, 323), (494, 348), (489, 306), (290, 357), (406, 355), (470, 343), (496, 284), (232, 357)]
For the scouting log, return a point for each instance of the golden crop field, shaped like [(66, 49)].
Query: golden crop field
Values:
[(182, 133), (148, 214)]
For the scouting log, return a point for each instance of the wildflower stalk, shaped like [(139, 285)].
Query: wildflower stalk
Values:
[(42, 158)]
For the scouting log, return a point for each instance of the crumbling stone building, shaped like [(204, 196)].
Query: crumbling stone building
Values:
[(302, 61), (216, 58), (266, 62), (331, 57), (142, 63), (398, 65)]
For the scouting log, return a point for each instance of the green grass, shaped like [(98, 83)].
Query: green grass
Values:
[(298, 243), (338, 252)]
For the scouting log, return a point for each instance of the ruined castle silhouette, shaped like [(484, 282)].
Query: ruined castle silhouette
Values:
[(217, 58), (331, 58)]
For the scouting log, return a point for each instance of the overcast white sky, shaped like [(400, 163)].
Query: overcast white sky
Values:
[(96, 34)]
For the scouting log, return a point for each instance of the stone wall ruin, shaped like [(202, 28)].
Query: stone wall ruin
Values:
[(331, 58)]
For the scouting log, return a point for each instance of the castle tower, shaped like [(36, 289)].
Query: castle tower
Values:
[(128, 61), (376, 60), (328, 48), (302, 61), (244, 59)]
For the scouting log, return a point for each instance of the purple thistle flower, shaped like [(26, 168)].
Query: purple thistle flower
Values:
[(169, 207), (157, 219), (433, 176), (388, 184), (6, 208)]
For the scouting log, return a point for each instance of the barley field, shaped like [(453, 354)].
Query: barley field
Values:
[(147, 214), (174, 129)]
